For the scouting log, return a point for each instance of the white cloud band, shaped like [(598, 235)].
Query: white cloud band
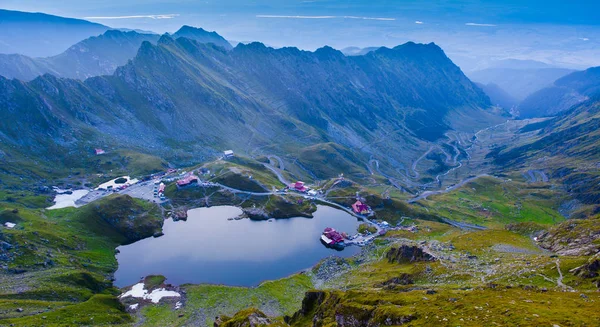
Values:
[(478, 24), (162, 16), (325, 17)]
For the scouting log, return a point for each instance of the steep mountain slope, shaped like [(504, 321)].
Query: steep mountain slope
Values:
[(42, 35), (567, 148), (95, 56), (563, 94), (184, 100), (519, 82)]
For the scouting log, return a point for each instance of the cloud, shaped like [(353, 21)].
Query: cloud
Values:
[(325, 17), (584, 39), (418, 22), (161, 16), (477, 24), (295, 17), (370, 18)]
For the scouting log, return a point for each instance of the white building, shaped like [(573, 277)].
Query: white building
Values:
[(227, 153)]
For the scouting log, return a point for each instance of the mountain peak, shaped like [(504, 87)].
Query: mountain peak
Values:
[(203, 36), (192, 29), (328, 52)]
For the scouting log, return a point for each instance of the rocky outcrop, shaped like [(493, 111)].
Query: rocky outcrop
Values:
[(408, 254), (590, 270), (245, 318), (256, 213), (392, 283), (130, 218), (326, 308), (576, 237)]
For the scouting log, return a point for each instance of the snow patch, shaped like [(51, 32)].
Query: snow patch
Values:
[(178, 305), (9, 225), (64, 200), (155, 296), (158, 294), (134, 306)]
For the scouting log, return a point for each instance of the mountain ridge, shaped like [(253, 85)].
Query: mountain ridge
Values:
[(251, 94), (94, 56), (563, 94)]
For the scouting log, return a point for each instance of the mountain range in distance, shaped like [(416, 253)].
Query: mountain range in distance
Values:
[(42, 35), (507, 82), (561, 95), (95, 56)]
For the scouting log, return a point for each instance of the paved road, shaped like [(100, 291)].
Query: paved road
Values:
[(461, 225), (414, 165), (426, 194), (277, 171), (532, 176)]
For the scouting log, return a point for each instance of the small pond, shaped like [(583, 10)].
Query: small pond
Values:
[(209, 248)]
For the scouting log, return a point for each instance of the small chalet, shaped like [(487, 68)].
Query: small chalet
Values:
[(360, 208), (228, 154), (99, 151), (299, 186)]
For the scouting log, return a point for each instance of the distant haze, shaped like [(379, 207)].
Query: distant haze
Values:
[(564, 34)]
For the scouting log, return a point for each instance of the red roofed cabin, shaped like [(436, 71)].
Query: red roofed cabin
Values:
[(299, 186), (190, 179), (99, 151), (360, 208)]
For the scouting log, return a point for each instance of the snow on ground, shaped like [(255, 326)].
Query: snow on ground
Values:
[(155, 296), (134, 306), (158, 294), (9, 225), (63, 200), (112, 183), (178, 305)]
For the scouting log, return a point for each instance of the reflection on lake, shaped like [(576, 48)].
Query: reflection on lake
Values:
[(208, 248)]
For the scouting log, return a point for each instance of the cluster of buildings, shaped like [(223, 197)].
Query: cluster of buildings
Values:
[(361, 208), (299, 187), (189, 179), (332, 238)]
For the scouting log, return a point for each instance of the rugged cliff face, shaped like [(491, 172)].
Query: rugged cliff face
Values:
[(408, 254), (573, 237), (325, 308)]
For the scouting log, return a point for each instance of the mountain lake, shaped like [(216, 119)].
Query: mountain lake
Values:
[(210, 248)]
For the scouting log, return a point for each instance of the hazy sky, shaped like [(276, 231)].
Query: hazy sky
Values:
[(564, 33)]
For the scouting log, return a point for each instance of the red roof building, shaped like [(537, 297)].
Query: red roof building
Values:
[(299, 186), (331, 236), (360, 208), (189, 179)]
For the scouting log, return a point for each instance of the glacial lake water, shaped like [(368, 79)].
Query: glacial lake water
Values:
[(209, 248)]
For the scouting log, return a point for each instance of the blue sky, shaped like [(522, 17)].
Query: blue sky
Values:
[(564, 33)]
